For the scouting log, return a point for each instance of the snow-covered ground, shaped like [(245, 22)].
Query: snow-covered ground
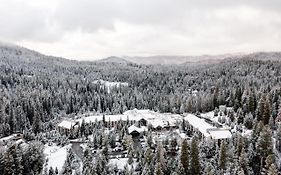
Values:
[(56, 156)]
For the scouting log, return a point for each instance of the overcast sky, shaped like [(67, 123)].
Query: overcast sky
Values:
[(92, 29)]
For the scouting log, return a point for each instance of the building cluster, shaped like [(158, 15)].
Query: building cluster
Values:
[(144, 120)]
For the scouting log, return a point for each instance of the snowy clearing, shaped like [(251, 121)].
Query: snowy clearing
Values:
[(56, 156)]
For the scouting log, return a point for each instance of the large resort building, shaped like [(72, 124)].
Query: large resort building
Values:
[(143, 120)]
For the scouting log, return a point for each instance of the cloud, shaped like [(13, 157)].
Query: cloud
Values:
[(23, 21), (94, 29)]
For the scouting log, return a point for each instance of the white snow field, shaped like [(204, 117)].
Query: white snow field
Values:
[(56, 156)]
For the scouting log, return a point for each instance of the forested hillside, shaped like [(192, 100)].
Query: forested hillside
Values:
[(36, 91)]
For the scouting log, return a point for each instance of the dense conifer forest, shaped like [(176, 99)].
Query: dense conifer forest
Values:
[(38, 91)]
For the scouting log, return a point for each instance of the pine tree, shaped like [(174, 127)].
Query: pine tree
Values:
[(56, 170), (244, 162), (222, 156), (147, 170), (267, 111), (127, 170), (158, 169), (278, 118), (1, 162), (87, 162), (215, 97), (251, 102), (33, 158), (67, 167), (209, 170), (240, 172), (240, 116), (127, 142), (260, 109), (258, 126), (278, 138), (18, 160), (130, 157), (194, 158), (9, 161), (230, 115), (272, 170), (51, 171), (189, 105), (271, 123), (180, 169), (240, 145), (112, 140), (148, 156), (184, 156), (13, 161), (45, 172), (37, 123), (264, 145), (248, 121), (160, 158)]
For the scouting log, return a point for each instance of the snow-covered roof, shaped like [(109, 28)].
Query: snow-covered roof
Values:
[(208, 115), (207, 129), (154, 118), (135, 128), (7, 138), (66, 124), (158, 123), (10, 137), (222, 107), (140, 114), (220, 134), (199, 124), (107, 118)]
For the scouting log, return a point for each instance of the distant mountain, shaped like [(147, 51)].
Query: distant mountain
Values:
[(14, 51), (204, 59), (18, 55), (113, 59), (167, 60), (273, 56)]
